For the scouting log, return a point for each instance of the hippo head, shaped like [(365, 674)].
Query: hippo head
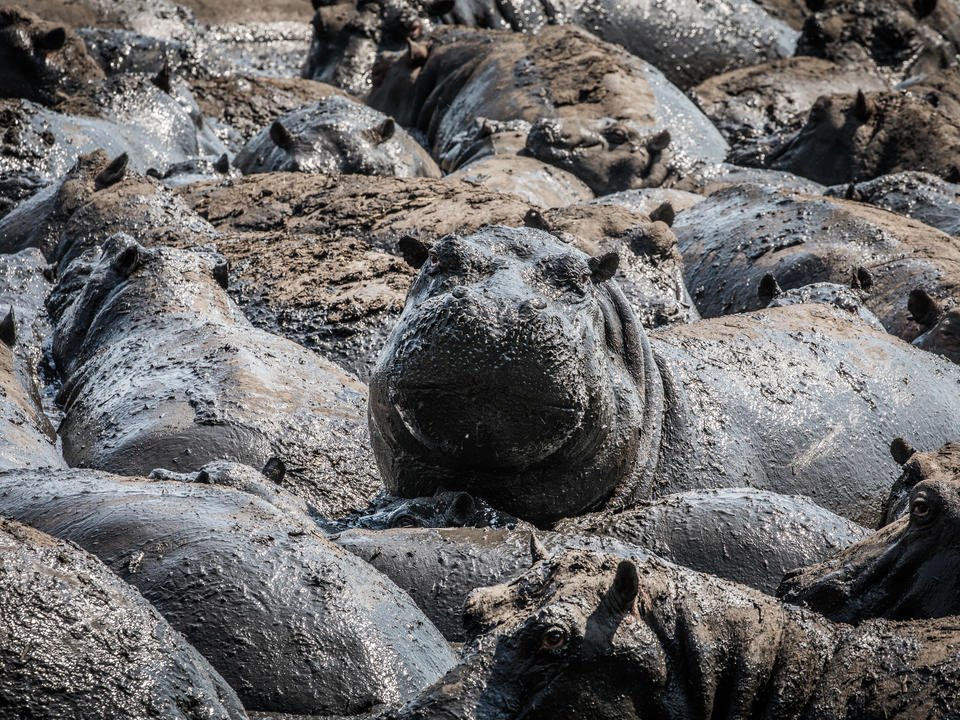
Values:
[(443, 509), (41, 61), (608, 155), (517, 372), (335, 135), (941, 325), (907, 569)]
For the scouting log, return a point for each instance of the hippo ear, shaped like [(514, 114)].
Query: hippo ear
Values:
[(163, 79), (769, 288), (52, 41), (901, 450), (924, 310), (604, 267), (221, 273), (222, 165), (862, 107), (815, 5), (127, 261), (8, 329), (664, 213), (414, 251), (462, 508), (538, 553), (112, 173), (417, 53), (274, 470), (621, 598), (659, 141), (384, 131), (281, 136), (440, 7), (924, 7), (862, 279)]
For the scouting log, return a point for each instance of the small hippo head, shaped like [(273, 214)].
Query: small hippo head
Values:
[(608, 155), (566, 640), (444, 509), (908, 569), (332, 136), (39, 60), (517, 372), (941, 324)]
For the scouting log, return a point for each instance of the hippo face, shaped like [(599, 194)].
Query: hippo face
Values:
[(514, 373), (566, 639), (944, 337), (906, 570), (38, 60), (607, 155)]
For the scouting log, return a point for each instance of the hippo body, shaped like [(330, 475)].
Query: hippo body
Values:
[(336, 135), (609, 134), (804, 239), (907, 569), (80, 642), (290, 621), (790, 400), (840, 296), (587, 635), (200, 383)]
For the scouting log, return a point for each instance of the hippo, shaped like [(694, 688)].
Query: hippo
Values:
[(846, 297), (748, 536), (635, 132), (290, 621), (41, 61), (806, 239), (511, 323), (595, 635), (709, 180), (940, 323), (336, 135), (857, 137), (80, 642), (918, 195), (310, 229), (200, 383)]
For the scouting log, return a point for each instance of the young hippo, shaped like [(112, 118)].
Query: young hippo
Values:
[(589, 635), (511, 323), (161, 369), (80, 642), (333, 136)]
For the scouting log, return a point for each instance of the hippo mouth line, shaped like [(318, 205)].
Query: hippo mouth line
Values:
[(481, 391)]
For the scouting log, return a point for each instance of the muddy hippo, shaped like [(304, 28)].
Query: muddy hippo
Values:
[(731, 240), (293, 623), (199, 382), (918, 195), (860, 136), (41, 61), (318, 259), (511, 323), (80, 642), (632, 132), (587, 635), (846, 297), (332, 136)]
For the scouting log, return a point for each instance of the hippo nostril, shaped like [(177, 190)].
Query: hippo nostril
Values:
[(459, 292)]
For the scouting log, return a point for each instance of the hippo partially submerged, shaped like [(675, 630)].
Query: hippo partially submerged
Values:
[(510, 324), (593, 636)]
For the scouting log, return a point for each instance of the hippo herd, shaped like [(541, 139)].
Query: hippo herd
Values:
[(434, 359)]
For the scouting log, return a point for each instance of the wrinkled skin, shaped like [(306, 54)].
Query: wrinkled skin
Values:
[(532, 180), (918, 195), (291, 622), (848, 140), (509, 324), (333, 136), (80, 642), (805, 239), (196, 369), (843, 297), (41, 61), (608, 132), (709, 180), (748, 536), (587, 635)]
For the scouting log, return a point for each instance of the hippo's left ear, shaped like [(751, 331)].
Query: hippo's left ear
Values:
[(274, 470), (659, 141), (621, 598), (414, 251), (127, 261), (462, 508), (51, 41), (384, 131), (901, 451), (604, 267)]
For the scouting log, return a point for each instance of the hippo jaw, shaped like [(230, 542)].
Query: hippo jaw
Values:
[(507, 377), (906, 570)]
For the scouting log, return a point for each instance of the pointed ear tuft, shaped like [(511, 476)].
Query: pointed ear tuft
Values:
[(901, 450), (604, 267), (281, 136), (414, 251), (622, 596), (52, 41), (274, 470), (538, 553)]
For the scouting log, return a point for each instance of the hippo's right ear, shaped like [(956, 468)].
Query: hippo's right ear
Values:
[(604, 267), (8, 329), (51, 41), (924, 310), (385, 130), (621, 598), (281, 136), (665, 213), (769, 288), (414, 251), (274, 470), (901, 450), (112, 173), (462, 508), (127, 260)]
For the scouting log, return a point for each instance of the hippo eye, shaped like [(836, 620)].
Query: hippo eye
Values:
[(554, 638), (920, 510), (405, 521)]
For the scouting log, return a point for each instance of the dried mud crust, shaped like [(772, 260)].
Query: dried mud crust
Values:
[(90, 13)]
